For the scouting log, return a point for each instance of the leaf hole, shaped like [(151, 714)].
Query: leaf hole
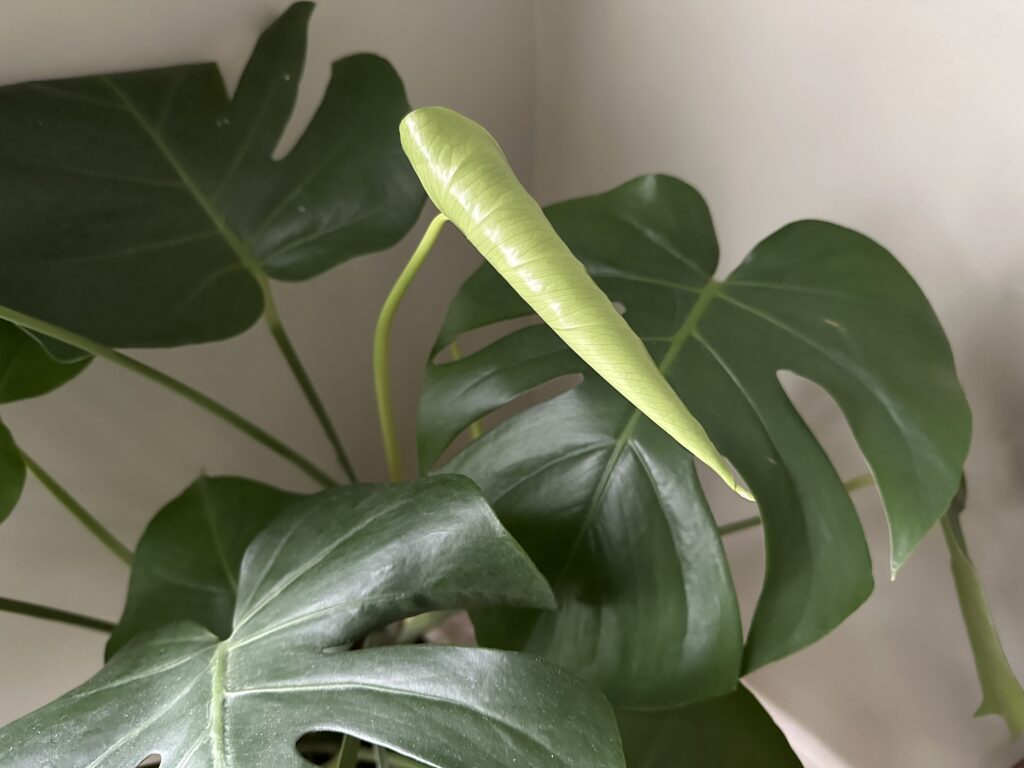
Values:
[(150, 761)]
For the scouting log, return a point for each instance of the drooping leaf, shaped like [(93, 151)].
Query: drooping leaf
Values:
[(617, 532), (26, 371), (467, 177), (189, 558), (731, 731), (316, 580), (146, 209), (1002, 694)]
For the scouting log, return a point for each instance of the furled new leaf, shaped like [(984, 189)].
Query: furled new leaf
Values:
[(1002, 694), (314, 582), (613, 517), (467, 177), (188, 561), (26, 370), (731, 731), (146, 209)]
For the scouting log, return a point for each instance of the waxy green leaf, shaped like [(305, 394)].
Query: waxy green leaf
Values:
[(468, 178), (731, 731), (318, 579), (146, 208), (611, 517), (188, 561)]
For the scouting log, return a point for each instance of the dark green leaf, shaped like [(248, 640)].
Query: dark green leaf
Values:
[(731, 731), (12, 473), (187, 563), (316, 580), (145, 208), (26, 369), (610, 516), (1002, 694)]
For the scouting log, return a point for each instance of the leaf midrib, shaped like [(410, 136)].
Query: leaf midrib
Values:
[(237, 245), (685, 332)]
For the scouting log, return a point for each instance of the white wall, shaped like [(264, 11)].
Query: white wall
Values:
[(903, 119), (124, 446)]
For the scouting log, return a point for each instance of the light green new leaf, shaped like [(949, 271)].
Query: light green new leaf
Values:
[(468, 178), (187, 563), (613, 516), (26, 370), (146, 209), (1002, 694), (730, 731), (318, 579)]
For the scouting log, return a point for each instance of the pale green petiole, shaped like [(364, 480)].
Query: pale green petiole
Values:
[(382, 345)]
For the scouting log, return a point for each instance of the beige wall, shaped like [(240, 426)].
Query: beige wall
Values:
[(904, 119)]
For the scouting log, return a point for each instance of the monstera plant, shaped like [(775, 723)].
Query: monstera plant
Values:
[(265, 627)]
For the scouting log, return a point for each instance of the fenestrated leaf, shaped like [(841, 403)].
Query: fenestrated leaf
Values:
[(145, 208), (188, 560), (1002, 694), (26, 370), (731, 731), (814, 298), (316, 580), (467, 177)]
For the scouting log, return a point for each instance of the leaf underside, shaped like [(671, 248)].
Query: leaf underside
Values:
[(318, 578), (145, 208), (613, 515)]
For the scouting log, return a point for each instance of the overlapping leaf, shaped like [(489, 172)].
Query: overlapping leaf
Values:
[(613, 517), (731, 731), (316, 580), (26, 370), (188, 561), (145, 208)]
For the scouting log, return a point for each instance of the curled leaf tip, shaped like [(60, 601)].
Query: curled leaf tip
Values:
[(468, 178)]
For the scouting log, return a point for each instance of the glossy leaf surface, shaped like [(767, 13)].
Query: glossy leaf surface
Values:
[(467, 177), (188, 561), (1002, 694), (146, 209), (317, 579), (622, 537), (731, 731)]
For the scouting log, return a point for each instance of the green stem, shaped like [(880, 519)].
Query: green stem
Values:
[(861, 481), (291, 356), (169, 382), (381, 345), (54, 614), (95, 527), (390, 759), (348, 755)]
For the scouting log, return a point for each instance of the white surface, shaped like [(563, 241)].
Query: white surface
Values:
[(905, 120), (902, 119)]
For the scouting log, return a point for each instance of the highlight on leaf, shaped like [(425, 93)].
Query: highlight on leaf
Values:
[(468, 178)]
